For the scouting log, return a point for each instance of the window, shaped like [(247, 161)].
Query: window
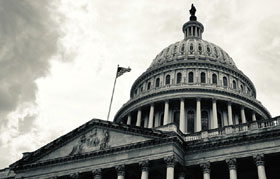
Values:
[(202, 77), (225, 81), (179, 77), (183, 48), (157, 82), (234, 84), (149, 85), (190, 77), (190, 119), (241, 87), (204, 120), (208, 49), (214, 79), (141, 88), (167, 79), (191, 47)]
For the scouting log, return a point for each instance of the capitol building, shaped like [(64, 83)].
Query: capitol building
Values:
[(191, 115)]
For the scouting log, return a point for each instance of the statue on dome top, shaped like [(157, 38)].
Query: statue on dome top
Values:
[(192, 12)]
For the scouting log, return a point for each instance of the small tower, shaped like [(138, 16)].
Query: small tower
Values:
[(193, 28)]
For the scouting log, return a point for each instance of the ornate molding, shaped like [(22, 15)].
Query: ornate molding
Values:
[(205, 167), (97, 173), (96, 139), (120, 170), (231, 163), (170, 161), (259, 159), (74, 175), (144, 165)]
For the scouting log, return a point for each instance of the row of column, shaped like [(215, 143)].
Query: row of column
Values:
[(232, 166), (182, 123), (193, 31), (170, 164)]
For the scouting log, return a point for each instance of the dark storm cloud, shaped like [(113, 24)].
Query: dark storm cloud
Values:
[(28, 39)]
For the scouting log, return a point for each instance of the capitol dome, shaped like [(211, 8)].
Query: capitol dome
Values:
[(193, 84)]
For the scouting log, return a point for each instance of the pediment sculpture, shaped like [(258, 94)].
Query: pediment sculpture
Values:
[(96, 139)]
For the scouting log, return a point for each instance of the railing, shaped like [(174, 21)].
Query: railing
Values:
[(234, 129)]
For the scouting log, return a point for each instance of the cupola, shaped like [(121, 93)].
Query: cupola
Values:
[(193, 28)]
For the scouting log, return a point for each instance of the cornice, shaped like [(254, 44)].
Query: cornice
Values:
[(173, 138), (33, 156)]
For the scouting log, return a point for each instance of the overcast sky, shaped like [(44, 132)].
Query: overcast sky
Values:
[(58, 58)]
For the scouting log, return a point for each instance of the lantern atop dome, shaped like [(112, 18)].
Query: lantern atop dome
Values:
[(193, 28)]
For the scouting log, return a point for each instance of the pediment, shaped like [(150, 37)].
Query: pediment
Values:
[(97, 138)]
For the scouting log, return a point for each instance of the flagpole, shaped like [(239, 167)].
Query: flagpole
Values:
[(112, 95)]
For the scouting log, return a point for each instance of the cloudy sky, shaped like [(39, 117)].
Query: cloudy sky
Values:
[(58, 58)]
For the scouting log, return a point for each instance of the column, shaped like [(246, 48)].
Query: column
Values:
[(139, 113), (182, 115), (151, 116), (128, 119), (243, 117), (206, 170), (97, 174), (259, 159), (215, 117), (225, 119), (181, 175), (253, 116), (166, 109), (236, 120), (195, 31), (230, 121), (146, 121), (232, 168), (198, 116), (145, 169), (181, 172), (170, 164), (120, 171), (187, 34)]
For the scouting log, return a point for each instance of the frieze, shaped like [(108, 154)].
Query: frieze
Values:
[(96, 139)]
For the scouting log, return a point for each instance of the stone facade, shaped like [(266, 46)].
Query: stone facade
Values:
[(191, 115)]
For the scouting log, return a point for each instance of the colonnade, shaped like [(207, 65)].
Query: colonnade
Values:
[(231, 119), (170, 163)]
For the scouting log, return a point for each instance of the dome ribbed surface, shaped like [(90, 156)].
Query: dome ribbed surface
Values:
[(192, 48)]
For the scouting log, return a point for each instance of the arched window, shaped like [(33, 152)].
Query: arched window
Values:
[(214, 79), (141, 88), (190, 119), (241, 87), (234, 84), (157, 82), (204, 120), (149, 85), (202, 77), (191, 47), (167, 79), (179, 77), (190, 77), (225, 81)]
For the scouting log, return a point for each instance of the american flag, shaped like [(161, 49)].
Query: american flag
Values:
[(122, 70)]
